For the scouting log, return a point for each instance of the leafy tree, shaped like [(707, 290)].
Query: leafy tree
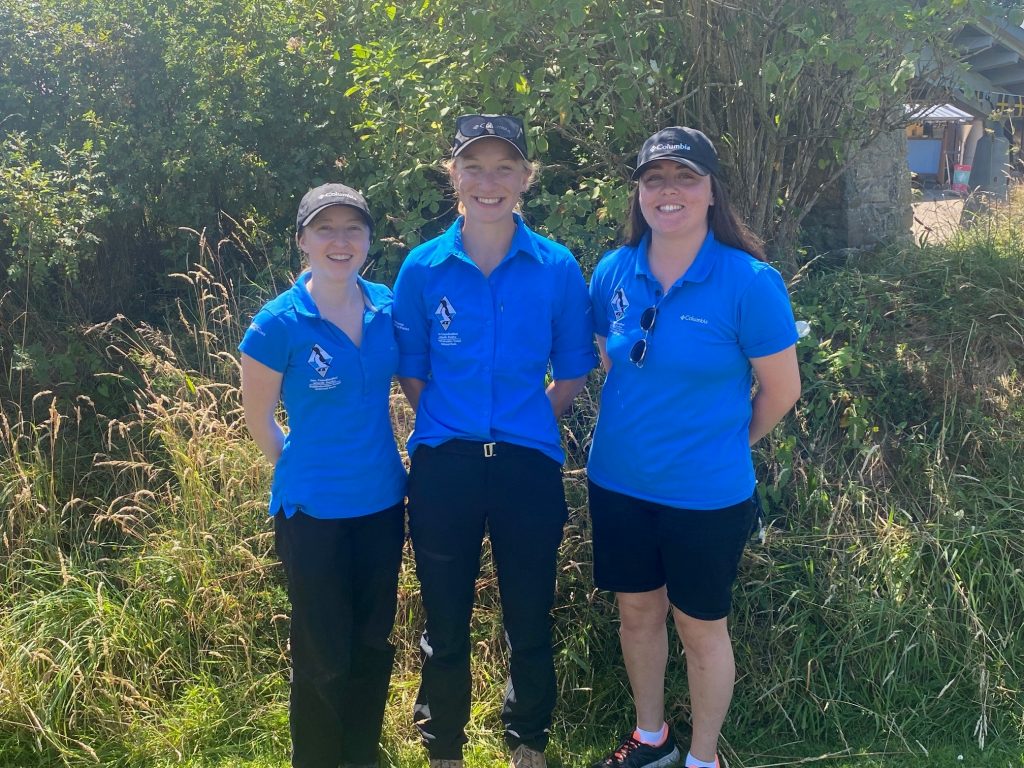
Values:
[(216, 115), (791, 89), (800, 86), (203, 115), (50, 209)]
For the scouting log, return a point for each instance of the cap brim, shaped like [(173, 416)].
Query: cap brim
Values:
[(695, 167), (361, 212), (462, 147)]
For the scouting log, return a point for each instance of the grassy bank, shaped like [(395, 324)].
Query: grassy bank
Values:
[(143, 619)]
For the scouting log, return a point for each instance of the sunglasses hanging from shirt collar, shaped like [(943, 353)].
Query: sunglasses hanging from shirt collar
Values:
[(638, 353)]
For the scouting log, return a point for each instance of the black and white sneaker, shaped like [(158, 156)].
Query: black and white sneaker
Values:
[(634, 754)]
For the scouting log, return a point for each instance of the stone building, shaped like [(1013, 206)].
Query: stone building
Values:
[(969, 136)]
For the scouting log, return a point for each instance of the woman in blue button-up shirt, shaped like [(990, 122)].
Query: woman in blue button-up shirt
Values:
[(688, 315), (326, 349), (481, 313)]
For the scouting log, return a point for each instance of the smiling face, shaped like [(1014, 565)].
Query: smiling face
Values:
[(489, 176), (336, 242), (674, 199)]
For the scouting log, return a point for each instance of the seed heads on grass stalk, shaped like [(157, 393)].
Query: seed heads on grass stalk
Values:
[(886, 605)]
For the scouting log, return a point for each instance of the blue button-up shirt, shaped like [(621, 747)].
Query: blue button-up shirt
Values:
[(483, 344), (339, 457), (677, 430)]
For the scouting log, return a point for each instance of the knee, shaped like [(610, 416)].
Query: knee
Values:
[(320, 679), (703, 640), (372, 647), (643, 614)]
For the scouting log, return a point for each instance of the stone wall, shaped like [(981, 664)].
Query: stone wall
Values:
[(876, 193)]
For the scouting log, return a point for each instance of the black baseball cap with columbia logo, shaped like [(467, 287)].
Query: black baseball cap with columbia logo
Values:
[(686, 146), (470, 128), (327, 195)]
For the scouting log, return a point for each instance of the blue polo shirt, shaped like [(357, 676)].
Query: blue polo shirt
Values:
[(483, 344), (676, 431), (339, 457)]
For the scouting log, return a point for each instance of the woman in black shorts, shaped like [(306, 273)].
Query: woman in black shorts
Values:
[(688, 316)]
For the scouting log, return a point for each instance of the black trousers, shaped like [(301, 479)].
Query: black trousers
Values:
[(343, 585), (455, 491)]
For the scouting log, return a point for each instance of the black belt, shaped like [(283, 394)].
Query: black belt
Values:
[(486, 450)]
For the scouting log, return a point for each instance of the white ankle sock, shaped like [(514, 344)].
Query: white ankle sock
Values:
[(693, 762), (652, 738)]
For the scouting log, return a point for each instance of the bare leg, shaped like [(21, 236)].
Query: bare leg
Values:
[(644, 639), (711, 673)]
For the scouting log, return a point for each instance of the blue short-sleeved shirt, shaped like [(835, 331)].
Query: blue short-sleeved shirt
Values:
[(676, 431), (339, 457), (483, 344)]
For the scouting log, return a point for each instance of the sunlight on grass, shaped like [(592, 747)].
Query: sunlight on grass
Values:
[(144, 618)]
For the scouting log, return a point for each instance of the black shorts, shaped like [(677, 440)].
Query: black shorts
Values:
[(640, 546)]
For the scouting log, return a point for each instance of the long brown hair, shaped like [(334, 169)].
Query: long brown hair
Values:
[(722, 220)]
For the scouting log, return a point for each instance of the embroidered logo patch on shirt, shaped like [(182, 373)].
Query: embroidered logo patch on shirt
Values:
[(619, 303), (320, 360), (445, 312)]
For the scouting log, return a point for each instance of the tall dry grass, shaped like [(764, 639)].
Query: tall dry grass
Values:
[(143, 619)]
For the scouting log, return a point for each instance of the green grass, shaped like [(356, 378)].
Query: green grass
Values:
[(143, 617), (996, 756)]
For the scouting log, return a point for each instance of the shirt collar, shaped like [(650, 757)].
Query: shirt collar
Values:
[(371, 297), (304, 304), (301, 299), (697, 272), (450, 242)]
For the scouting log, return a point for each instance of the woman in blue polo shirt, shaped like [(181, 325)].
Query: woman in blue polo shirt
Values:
[(688, 315), (481, 312), (326, 349)]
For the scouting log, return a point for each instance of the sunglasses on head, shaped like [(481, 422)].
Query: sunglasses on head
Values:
[(638, 352), (505, 126)]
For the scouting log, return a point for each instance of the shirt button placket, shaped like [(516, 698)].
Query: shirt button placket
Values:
[(490, 326), (367, 317)]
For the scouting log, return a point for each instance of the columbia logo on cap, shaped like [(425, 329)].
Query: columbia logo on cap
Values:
[(318, 198), (686, 146)]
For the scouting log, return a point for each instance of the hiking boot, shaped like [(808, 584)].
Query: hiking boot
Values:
[(440, 762), (634, 754), (524, 757)]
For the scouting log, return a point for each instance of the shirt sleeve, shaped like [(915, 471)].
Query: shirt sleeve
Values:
[(599, 300), (765, 316), (412, 325), (572, 338), (266, 341)]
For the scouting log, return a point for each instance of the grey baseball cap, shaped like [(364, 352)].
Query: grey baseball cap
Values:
[(327, 195)]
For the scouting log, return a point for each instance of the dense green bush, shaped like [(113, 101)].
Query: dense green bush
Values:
[(198, 114), (218, 115)]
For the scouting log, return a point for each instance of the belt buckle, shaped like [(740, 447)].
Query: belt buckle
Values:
[(489, 450)]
